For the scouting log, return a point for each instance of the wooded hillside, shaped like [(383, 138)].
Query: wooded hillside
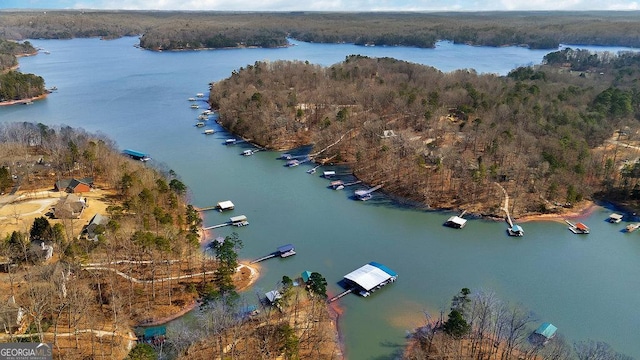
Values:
[(446, 139), (169, 30)]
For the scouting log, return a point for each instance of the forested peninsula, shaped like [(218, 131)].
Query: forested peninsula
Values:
[(14, 85), (546, 136)]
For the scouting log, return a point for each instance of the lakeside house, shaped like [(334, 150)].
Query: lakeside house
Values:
[(95, 227), (70, 207), (74, 185), (41, 250)]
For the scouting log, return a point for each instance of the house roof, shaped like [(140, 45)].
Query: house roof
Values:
[(273, 295), (547, 330), (370, 275), (306, 275)]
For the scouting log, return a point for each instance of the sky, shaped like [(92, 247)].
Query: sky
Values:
[(326, 5)]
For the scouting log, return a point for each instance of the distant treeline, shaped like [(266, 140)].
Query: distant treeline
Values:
[(193, 30), (444, 139)]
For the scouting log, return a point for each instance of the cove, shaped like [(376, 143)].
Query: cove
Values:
[(585, 285)]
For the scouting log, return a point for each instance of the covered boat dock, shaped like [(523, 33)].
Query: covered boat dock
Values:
[(369, 278), (136, 155)]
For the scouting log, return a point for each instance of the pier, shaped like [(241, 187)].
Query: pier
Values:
[(348, 291), (282, 251)]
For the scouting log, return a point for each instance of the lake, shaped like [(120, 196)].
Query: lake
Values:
[(585, 285)]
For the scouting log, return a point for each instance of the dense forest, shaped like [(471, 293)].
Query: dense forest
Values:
[(450, 140), (192, 30)]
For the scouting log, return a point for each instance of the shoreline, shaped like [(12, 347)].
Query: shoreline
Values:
[(253, 277), (586, 208), (23, 101)]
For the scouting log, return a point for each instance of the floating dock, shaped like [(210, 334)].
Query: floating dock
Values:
[(365, 195), (240, 220), (136, 155), (282, 251), (577, 228), (615, 218), (456, 222), (367, 279)]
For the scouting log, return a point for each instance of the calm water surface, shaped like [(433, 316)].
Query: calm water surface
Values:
[(585, 285)]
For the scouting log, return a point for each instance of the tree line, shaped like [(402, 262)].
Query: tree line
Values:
[(481, 326), (192, 30), (444, 139)]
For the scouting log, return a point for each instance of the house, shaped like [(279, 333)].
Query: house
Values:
[(272, 296), (70, 207), (92, 230), (306, 276), (11, 316), (74, 185), (41, 251)]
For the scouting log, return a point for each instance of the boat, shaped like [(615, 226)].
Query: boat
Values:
[(577, 228), (203, 117), (191, 99), (247, 152), (515, 230), (194, 106), (209, 131), (230, 141), (199, 124), (200, 95), (632, 227), (292, 163)]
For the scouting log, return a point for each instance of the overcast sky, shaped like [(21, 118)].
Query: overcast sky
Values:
[(326, 5)]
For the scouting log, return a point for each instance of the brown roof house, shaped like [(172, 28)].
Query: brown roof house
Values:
[(74, 185), (70, 207)]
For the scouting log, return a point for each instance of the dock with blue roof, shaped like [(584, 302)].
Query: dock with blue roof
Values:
[(367, 279)]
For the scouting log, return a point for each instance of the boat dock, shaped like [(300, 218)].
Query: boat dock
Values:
[(240, 220), (367, 279), (366, 194), (577, 228), (456, 222), (282, 251), (136, 155)]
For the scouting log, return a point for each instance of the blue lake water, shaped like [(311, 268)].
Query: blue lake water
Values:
[(585, 285)]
